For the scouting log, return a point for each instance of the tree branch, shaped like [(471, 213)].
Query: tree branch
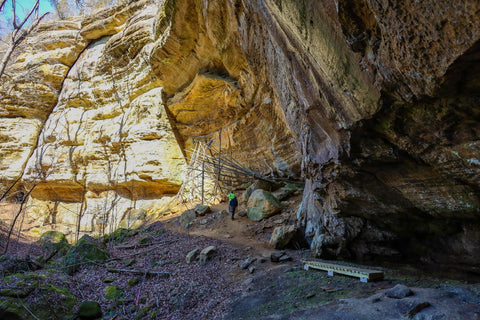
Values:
[(141, 272), (18, 33), (2, 4)]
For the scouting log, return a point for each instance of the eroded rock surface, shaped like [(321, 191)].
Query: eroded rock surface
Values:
[(374, 103)]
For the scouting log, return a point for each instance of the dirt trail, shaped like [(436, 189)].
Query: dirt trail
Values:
[(241, 232)]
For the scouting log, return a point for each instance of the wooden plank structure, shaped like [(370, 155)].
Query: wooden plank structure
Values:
[(210, 165), (365, 275)]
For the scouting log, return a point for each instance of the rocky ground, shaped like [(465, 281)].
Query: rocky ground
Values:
[(238, 281)]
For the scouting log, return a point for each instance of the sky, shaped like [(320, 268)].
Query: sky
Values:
[(23, 7)]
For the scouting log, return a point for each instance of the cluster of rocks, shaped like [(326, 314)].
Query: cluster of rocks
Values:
[(260, 204), (202, 256), (55, 246), (25, 284), (408, 308), (188, 216), (250, 262), (402, 302), (281, 256)]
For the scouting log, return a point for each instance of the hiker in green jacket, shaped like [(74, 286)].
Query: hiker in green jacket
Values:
[(232, 204)]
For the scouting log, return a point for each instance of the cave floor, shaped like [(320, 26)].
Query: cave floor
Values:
[(221, 289)]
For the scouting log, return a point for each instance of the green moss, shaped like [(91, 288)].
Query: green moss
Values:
[(45, 300), (248, 193), (291, 186), (129, 262), (384, 126), (143, 312), (53, 289), (258, 211), (113, 292), (90, 250), (89, 310), (11, 308), (153, 314), (133, 281), (271, 198), (19, 293), (156, 263), (55, 237), (146, 239), (120, 235), (12, 265), (86, 251)]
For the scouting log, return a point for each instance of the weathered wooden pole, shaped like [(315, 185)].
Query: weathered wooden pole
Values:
[(219, 160), (203, 181)]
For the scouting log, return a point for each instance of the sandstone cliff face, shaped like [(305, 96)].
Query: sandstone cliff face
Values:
[(30, 90), (374, 103), (107, 146)]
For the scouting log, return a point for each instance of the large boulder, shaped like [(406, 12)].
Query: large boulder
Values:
[(187, 218), (262, 204), (54, 243), (399, 291), (201, 209), (119, 236), (281, 236), (87, 251), (259, 184)]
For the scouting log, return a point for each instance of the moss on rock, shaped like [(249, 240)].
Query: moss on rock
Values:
[(120, 235), (54, 242), (113, 292), (42, 294), (89, 310), (86, 251), (133, 281), (146, 239)]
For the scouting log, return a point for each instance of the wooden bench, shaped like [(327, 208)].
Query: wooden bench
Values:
[(365, 275)]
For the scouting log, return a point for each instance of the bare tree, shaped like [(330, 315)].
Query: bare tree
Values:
[(83, 203), (40, 173), (2, 4), (14, 39), (21, 30)]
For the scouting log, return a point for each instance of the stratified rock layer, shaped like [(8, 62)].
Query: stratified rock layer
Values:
[(30, 89), (374, 103)]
